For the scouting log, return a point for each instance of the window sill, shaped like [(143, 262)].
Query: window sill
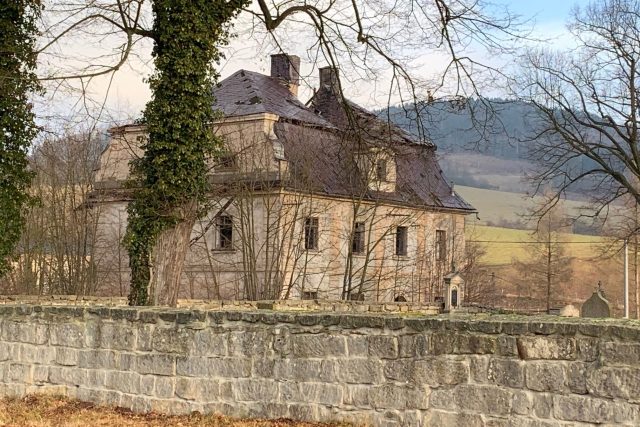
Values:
[(223, 251)]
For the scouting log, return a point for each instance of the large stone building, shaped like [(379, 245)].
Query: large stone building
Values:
[(322, 200)]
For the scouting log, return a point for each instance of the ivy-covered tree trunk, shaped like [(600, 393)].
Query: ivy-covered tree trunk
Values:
[(17, 128), (171, 177)]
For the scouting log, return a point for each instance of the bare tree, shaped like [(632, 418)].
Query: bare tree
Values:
[(548, 263), (344, 32), (586, 126)]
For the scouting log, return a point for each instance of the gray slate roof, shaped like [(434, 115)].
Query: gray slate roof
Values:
[(319, 143), (245, 92)]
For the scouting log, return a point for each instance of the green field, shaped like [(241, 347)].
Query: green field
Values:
[(503, 245)]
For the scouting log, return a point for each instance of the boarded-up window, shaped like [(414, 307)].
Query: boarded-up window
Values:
[(381, 170), (224, 227), (441, 245), (357, 245), (401, 240), (311, 233)]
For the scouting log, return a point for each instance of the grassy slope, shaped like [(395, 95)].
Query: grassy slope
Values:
[(502, 245), (495, 207)]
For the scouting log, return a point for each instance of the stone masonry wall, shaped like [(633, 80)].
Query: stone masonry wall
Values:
[(379, 370)]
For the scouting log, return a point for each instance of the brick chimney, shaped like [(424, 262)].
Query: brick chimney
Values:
[(329, 79), (287, 69)]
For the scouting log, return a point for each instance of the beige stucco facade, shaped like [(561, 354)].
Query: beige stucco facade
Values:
[(268, 258)]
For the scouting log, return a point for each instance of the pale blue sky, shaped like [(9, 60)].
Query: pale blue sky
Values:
[(128, 93)]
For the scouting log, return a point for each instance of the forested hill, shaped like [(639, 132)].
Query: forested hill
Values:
[(493, 127)]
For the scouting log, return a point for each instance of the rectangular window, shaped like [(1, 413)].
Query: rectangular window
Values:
[(224, 226), (401, 241), (311, 233), (441, 245), (309, 295), (381, 170), (227, 161), (357, 245), (356, 296)]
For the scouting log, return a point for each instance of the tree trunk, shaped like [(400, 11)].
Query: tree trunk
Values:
[(167, 261)]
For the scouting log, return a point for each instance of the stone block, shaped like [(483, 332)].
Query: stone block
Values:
[(382, 346), (474, 398), (282, 341), (157, 364), (593, 410), (577, 377), (318, 345), (588, 348), (67, 334), (164, 387), (620, 353), (67, 376), (95, 378), (212, 367), (97, 359), (172, 340), (388, 397), (263, 367), (117, 336), (18, 373), (615, 382), (40, 374), (303, 412), (199, 389), (248, 343), (479, 368), (543, 405), (66, 356), (255, 390), (507, 346), (209, 342), (147, 383), (145, 337), (173, 407), (522, 403), (356, 395), (462, 343), (125, 382), (546, 347), (319, 393), (506, 372), (357, 345), (439, 418), (413, 346), (305, 370), (546, 376), (442, 370), (359, 371)]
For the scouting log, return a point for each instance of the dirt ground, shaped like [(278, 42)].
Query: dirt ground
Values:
[(47, 411)]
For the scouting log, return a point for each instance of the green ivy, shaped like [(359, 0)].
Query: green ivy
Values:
[(172, 173), (18, 81)]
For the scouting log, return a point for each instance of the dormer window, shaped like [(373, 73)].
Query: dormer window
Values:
[(381, 170)]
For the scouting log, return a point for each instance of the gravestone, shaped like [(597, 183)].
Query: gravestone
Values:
[(596, 306)]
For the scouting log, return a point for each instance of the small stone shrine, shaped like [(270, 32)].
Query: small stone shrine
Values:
[(597, 305), (453, 291)]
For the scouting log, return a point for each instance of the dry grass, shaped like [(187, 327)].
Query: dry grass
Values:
[(48, 411)]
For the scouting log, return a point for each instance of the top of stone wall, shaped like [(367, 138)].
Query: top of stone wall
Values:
[(276, 305), (626, 330)]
